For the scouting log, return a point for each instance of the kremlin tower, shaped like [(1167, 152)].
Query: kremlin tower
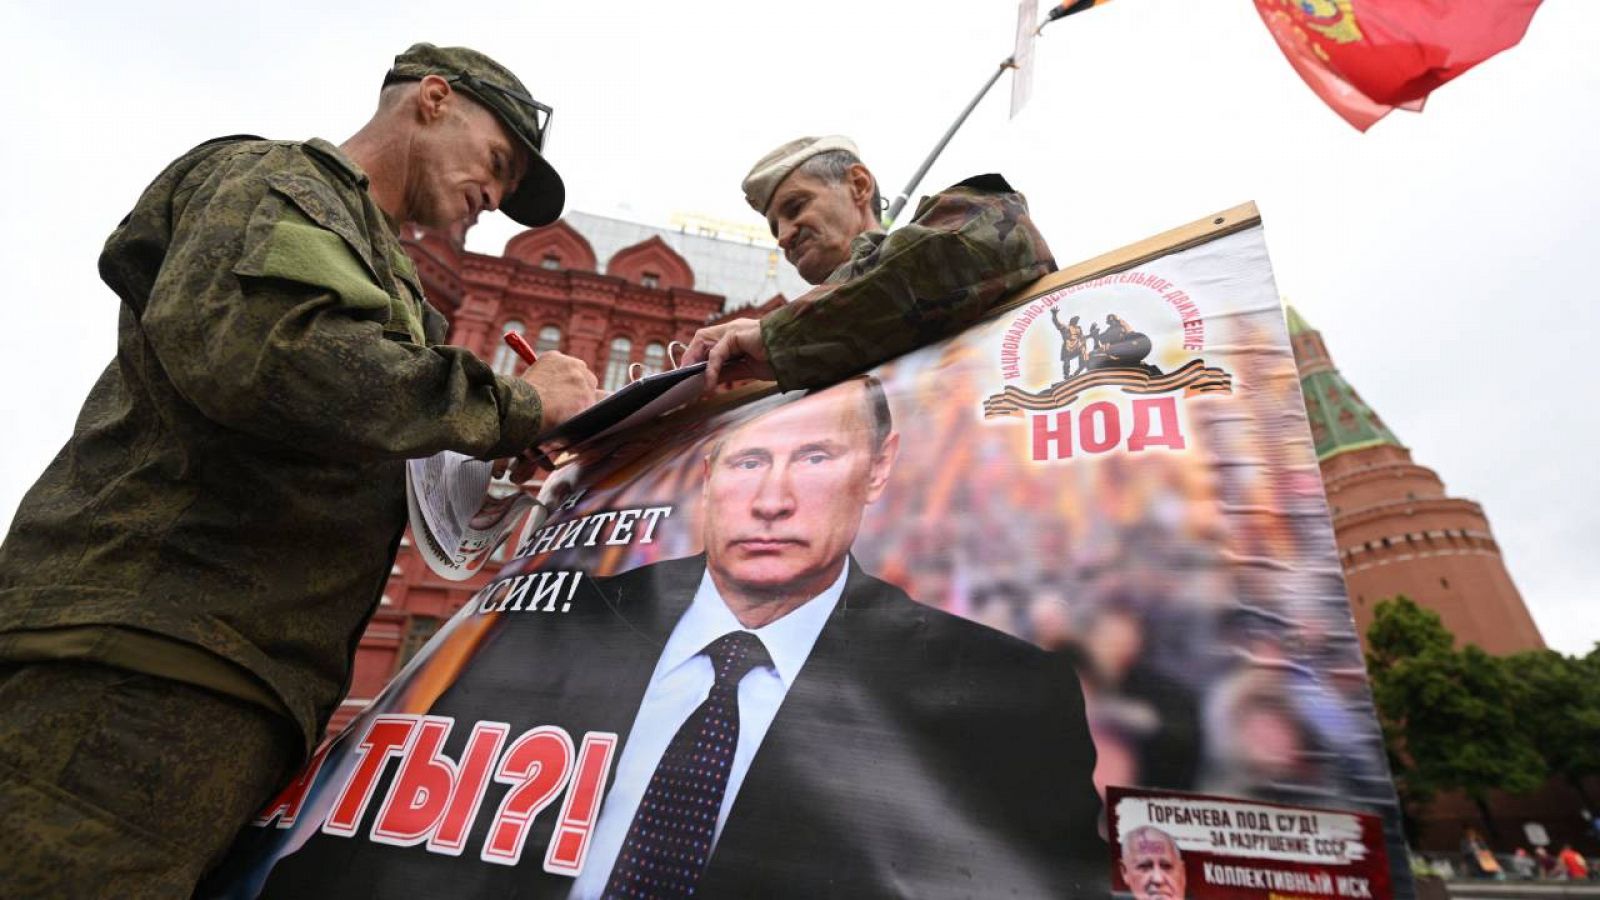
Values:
[(1398, 532)]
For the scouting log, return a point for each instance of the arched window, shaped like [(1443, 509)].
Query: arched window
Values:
[(549, 339), (617, 363), (655, 358), (505, 358)]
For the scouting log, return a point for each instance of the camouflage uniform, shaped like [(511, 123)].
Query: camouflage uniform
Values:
[(224, 517), (968, 248), (121, 784)]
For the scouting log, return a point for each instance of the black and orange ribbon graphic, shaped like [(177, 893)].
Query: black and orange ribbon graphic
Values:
[(1193, 377)]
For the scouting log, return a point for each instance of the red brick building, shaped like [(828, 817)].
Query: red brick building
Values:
[(1397, 530), (610, 292)]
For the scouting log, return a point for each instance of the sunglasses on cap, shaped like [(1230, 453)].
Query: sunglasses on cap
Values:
[(540, 113)]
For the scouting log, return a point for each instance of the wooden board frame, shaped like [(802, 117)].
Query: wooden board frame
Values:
[(1200, 231)]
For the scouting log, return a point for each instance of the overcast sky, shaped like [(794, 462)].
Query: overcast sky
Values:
[(1447, 258)]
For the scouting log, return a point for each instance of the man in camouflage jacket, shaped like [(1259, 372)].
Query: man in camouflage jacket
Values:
[(182, 591), (878, 295)]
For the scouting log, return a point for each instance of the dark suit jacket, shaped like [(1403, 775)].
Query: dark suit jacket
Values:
[(917, 754)]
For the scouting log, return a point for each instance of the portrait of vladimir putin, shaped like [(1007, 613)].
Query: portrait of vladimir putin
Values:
[(789, 725), (784, 496)]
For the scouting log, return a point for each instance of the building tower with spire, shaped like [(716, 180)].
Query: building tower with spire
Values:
[(1398, 531)]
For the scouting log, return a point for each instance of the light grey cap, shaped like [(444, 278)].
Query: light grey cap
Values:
[(770, 170)]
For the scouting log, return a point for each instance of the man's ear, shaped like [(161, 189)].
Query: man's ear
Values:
[(862, 185), (882, 465), (433, 98)]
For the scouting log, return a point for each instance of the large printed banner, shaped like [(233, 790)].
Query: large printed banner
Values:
[(936, 631)]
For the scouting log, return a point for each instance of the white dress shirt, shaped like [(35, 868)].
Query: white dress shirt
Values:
[(680, 683)]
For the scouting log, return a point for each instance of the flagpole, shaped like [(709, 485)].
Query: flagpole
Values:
[(1062, 10), (905, 193)]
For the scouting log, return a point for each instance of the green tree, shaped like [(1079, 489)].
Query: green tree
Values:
[(1447, 714), (1557, 704)]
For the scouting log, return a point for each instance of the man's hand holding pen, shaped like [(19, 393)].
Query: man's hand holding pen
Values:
[(566, 387)]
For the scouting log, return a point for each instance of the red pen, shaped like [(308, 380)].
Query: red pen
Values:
[(525, 350), (520, 344)]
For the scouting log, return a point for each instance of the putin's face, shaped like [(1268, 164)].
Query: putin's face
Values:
[(784, 494), (1152, 868)]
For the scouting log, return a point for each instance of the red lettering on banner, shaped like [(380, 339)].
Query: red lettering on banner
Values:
[(1098, 437), (1060, 436), (289, 800), (569, 846), (420, 790), (538, 764), (386, 737), (1100, 429), (476, 761), (1164, 408)]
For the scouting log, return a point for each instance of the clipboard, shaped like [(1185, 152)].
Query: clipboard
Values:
[(637, 402)]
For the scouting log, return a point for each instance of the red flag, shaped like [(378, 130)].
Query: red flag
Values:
[(1366, 57)]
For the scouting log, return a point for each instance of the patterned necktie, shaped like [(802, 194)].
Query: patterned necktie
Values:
[(669, 841)]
